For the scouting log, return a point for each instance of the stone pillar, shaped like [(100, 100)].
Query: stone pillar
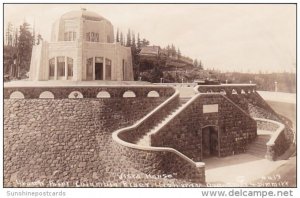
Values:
[(200, 175), (55, 68), (66, 68), (270, 155), (104, 68), (276, 88)]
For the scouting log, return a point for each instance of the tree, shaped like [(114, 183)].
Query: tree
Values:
[(133, 41), (195, 63), (117, 36), (121, 39), (24, 47), (200, 65), (178, 53), (9, 36), (128, 41), (138, 42), (145, 43), (173, 51)]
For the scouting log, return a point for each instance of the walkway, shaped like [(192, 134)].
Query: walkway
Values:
[(238, 170)]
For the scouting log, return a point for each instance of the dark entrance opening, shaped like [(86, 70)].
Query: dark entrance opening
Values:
[(210, 146), (98, 71)]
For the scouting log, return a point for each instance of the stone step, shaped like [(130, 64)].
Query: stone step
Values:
[(258, 146), (260, 155), (256, 150), (145, 139)]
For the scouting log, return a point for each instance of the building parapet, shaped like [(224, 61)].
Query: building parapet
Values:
[(228, 88), (277, 143), (114, 91)]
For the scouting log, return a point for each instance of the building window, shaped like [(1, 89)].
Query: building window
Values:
[(107, 69), (88, 37), (51, 67), (60, 66), (70, 36), (92, 37), (74, 36), (89, 69), (70, 67)]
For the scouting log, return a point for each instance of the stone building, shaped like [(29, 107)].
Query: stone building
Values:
[(82, 48)]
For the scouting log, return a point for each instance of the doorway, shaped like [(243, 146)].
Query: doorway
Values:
[(98, 71), (210, 145)]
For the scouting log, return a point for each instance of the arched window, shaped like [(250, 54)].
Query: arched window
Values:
[(129, 94), (103, 94), (16, 94), (153, 94), (75, 94), (70, 66), (46, 94), (51, 67)]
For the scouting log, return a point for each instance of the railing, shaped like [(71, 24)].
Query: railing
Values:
[(277, 143), (193, 171), (227, 88), (90, 91)]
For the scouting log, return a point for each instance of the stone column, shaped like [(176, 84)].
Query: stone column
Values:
[(200, 175), (66, 68), (55, 68), (270, 155)]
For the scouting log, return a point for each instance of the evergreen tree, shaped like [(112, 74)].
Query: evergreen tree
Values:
[(138, 42), (168, 50), (128, 41), (24, 47), (133, 41), (9, 36), (121, 39), (117, 36), (178, 53), (173, 50), (195, 63), (145, 43), (200, 65)]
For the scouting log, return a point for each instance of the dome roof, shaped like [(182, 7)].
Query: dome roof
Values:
[(83, 13)]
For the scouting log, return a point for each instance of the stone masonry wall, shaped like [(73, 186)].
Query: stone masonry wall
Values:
[(184, 132), (153, 162), (65, 140)]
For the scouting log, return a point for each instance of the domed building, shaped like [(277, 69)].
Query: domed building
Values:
[(82, 48)]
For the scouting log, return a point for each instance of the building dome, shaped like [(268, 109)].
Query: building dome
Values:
[(83, 13)]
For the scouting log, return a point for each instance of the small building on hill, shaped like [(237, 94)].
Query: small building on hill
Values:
[(82, 48)]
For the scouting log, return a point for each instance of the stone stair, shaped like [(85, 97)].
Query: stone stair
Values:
[(145, 140), (258, 147)]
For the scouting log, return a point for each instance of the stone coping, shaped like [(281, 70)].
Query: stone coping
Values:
[(115, 136), (183, 107), (229, 85), (276, 133), (87, 91)]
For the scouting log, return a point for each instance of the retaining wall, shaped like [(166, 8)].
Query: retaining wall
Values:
[(67, 141), (184, 131)]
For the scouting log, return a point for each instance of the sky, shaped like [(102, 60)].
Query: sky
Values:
[(227, 37)]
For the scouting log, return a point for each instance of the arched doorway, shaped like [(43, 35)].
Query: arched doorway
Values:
[(210, 141)]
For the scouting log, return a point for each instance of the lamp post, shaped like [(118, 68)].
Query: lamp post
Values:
[(276, 88), (161, 80)]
